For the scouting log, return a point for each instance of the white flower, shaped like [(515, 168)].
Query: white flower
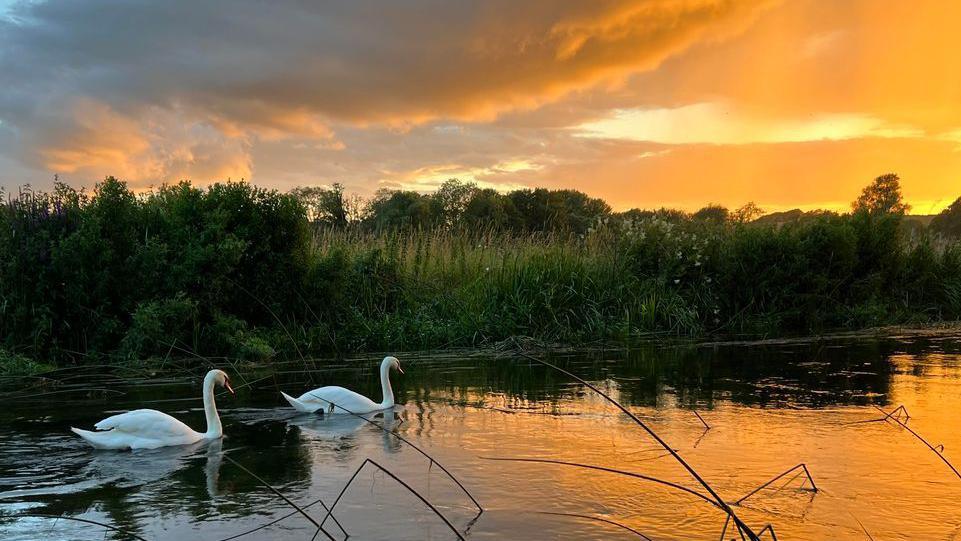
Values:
[(677, 280)]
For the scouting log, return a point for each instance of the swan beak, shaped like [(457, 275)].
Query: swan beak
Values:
[(399, 369), (229, 388)]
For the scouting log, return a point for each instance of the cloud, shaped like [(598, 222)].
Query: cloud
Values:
[(267, 70), (89, 139), (643, 102), (718, 123)]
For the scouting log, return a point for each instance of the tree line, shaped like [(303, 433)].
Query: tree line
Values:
[(464, 205), (250, 273)]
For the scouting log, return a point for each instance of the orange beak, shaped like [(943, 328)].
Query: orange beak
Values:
[(227, 385)]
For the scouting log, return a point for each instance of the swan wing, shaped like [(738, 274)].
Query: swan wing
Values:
[(146, 423), (323, 397)]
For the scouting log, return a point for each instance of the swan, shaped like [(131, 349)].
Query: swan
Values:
[(150, 429), (328, 397)]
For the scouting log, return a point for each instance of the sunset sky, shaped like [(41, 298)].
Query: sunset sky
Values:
[(645, 103)]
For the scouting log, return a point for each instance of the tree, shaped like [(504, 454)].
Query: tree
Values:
[(328, 205), (391, 209), (453, 196), (748, 213), (883, 196), (948, 223), (712, 213)]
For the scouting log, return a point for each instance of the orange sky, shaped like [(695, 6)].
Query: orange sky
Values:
[(645, 103)]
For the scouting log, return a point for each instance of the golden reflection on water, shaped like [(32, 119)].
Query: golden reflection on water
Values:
[(873, 473), (767, 414)]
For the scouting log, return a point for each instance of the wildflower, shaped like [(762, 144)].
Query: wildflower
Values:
[(677, 280)]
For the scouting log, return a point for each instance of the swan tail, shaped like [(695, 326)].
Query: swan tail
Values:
[(299, 405), (99, 440)]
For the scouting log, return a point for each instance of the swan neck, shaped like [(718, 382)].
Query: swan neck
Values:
[(214, 428), (385, 385)]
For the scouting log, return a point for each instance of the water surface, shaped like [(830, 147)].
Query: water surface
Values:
[(770, 407)]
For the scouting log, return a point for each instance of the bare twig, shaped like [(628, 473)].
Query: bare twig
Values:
[(802, 467), (610, 470), (290, 502), (408, 442), (598, 519), (741, 526), (402, 483), (863, 529), (699, 418), (78, 519), (919, 437), (770, 529)]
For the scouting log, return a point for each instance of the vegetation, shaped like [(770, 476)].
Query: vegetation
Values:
[(244, 272)]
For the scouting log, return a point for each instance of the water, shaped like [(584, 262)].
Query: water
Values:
[(770, 407)]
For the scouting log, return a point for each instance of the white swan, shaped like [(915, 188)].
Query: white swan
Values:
[(331, 396), (150, 429)]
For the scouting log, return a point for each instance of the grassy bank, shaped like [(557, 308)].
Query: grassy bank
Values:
[(239, 271)]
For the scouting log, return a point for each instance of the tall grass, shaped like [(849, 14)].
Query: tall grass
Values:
[(240, 271)]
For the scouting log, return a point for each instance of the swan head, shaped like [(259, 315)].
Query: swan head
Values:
[(393, 362), (220, 378)]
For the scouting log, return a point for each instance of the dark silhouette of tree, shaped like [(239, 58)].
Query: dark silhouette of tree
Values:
[(712, 213), (948, 223), (883, 196), (747, 213), (403, 209), (329, 206)]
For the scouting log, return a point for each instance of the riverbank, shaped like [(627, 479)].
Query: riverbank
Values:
[(238, 272)]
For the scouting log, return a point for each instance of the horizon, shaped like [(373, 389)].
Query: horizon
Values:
[(784, 104)]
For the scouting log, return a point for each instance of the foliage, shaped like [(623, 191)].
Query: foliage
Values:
[(948, 223), (249, 273), (883, 196)]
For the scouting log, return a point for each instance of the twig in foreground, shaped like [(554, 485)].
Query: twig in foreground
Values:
[(402, 483), (599, 519), (78, 519), (801, 466), (741, 526), (290, 502)]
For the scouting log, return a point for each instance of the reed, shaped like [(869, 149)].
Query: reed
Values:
[(104, 525), (597, 519), (430, 458), (718, 501), (934, 449), (291, 503), (401, 482), (235, 270), (800, 468)]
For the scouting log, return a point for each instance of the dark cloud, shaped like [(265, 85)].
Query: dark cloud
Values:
[(254, 70)]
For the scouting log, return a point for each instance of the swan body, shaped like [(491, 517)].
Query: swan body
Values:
[(334, 399), (150, 429)]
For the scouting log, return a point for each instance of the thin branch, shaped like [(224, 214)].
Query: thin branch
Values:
[(717, 498), (919, 437), (699, 418), (598, 519), (78, 519), (610, 470), (408, 442), (289, 501), (402, 483), (802, 467)]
